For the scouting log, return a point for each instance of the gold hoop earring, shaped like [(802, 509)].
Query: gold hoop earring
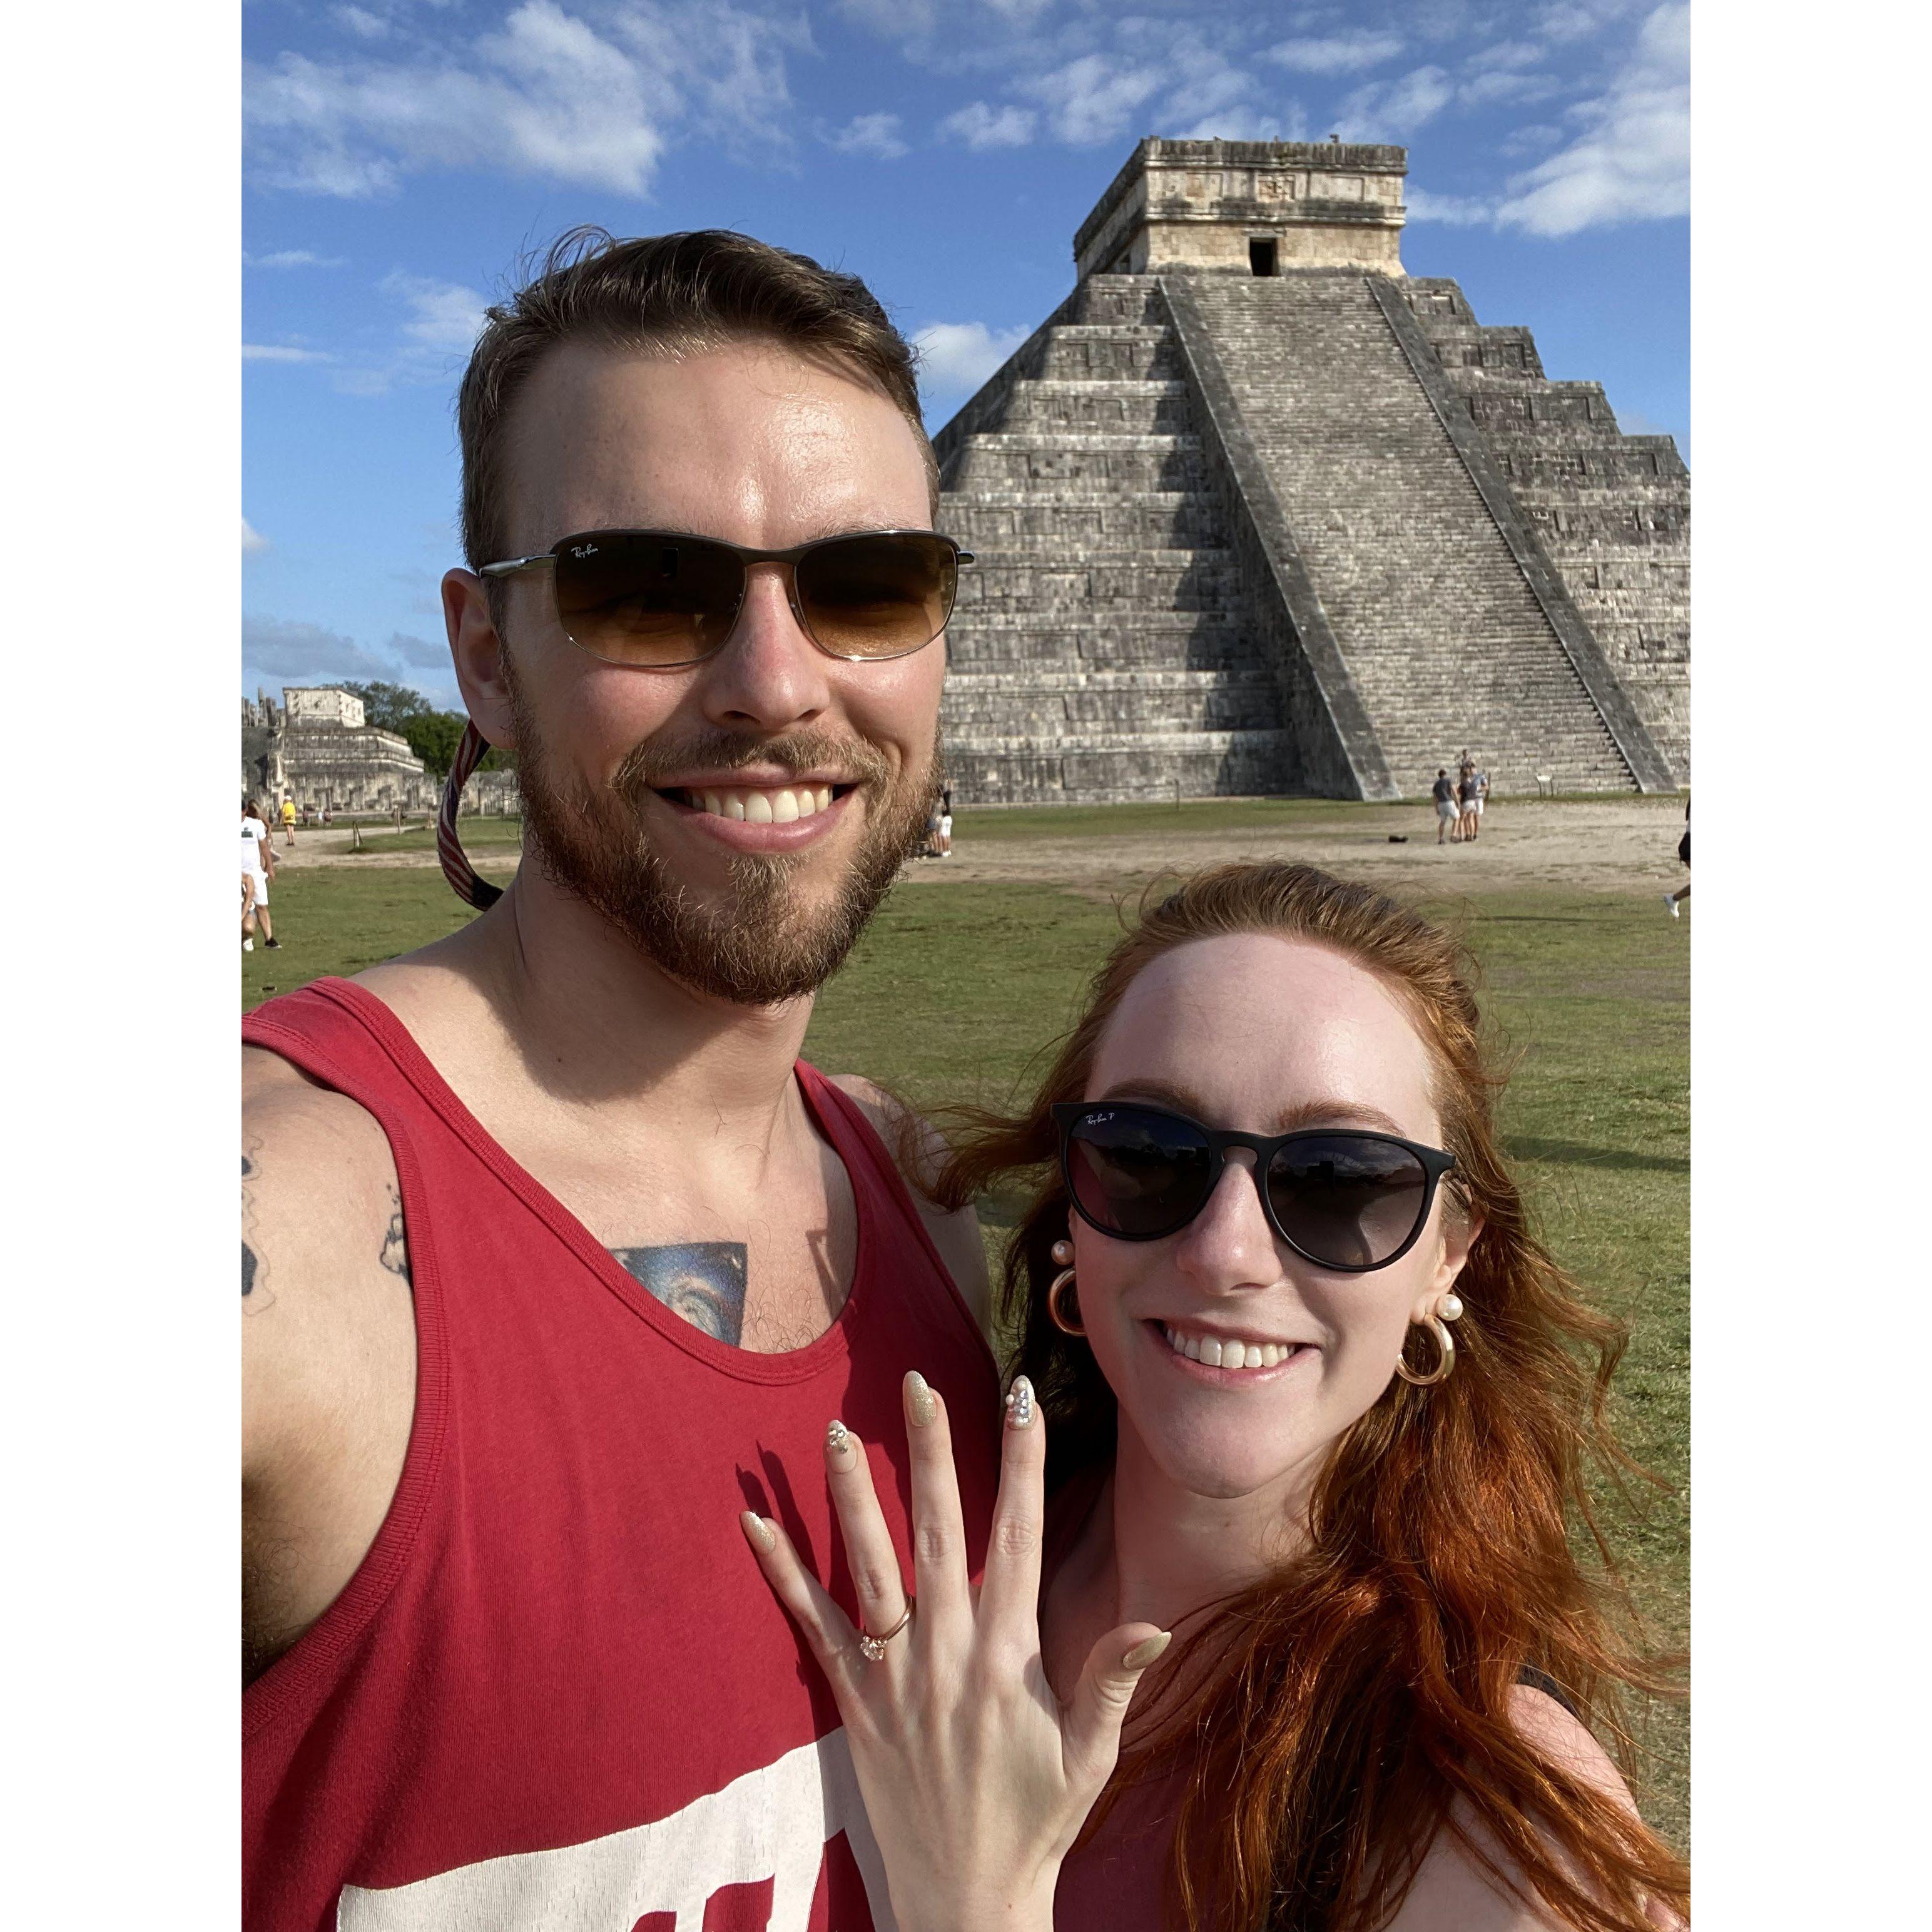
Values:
[(1063, 1251), (1064, 1279), (1448, 1309)]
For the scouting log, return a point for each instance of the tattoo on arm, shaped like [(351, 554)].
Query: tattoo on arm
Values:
[(255, 1295), (702, 1281), (395, 1248)]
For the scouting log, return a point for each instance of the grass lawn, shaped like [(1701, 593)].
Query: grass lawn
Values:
[(478, 835), (953, 991)]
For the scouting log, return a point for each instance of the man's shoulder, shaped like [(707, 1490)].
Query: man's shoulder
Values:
[(918, 1151), (335, 1144)]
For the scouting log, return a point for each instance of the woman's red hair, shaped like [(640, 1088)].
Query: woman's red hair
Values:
[(1332, 1719)]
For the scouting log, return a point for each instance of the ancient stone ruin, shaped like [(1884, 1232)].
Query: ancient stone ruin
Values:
[(1256, 512), (318, 748)]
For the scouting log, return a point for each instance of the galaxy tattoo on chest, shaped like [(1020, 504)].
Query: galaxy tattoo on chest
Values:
[(703, 1281)]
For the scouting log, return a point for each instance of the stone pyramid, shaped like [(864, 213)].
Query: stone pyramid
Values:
[(1256, 512)]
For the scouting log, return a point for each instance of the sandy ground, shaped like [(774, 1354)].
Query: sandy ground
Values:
[(1614, 845)]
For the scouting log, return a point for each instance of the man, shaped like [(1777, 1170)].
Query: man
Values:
[(556, 1259), (258, 867), (1445, 794), (1482, 783)]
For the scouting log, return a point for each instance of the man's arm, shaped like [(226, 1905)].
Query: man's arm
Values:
[(328, 1349), (918, 1148)]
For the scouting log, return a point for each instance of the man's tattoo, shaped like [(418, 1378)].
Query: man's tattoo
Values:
[(395, 1248), (255, 1295), (703, 1281)]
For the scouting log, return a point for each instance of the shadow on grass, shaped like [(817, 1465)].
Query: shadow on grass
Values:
[(1574, 1154)]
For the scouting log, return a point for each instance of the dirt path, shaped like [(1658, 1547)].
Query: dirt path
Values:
[(1612, 845)]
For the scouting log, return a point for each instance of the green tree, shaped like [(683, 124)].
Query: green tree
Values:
[(389, 707)]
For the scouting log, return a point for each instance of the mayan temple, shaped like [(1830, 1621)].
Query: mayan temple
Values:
[(1256, 512)]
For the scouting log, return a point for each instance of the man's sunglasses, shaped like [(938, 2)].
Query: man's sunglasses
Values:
[(661, 598), (1342, 1199)]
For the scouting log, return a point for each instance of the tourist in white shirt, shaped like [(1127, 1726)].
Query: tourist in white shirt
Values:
[(258, 866)]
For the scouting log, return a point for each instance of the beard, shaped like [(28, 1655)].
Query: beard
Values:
[(764, 939)]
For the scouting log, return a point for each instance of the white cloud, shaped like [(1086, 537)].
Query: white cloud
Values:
[(1387, 110), (875, 134), (958, 356), (1337, 53), (273, 352), (1451, 211), (547, 95), (442, 315), (981, 127), (252, 539), (291, 258), (1498, 84), (1094, 99), (1215, 99), (358, 21), (1506, 56), (1633, 161), (276, 648)]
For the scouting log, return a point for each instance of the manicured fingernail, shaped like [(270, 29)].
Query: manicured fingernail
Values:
[(1019, 1403), (1142, 1654), (757, 1531), (921, 1403), (838, 1444)]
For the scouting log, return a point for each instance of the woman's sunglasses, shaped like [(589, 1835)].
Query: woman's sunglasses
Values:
[(1342, 1199), (660, 599)]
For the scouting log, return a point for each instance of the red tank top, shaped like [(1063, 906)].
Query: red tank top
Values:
[(558, 1692)]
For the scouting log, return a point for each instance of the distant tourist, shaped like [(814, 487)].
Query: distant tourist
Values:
[(1482, 799), (1445, 805), (258, 867), (1675, 901), (1466, 798), (946, 826), (288, 820)]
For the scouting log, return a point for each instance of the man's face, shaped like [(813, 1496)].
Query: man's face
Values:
[(759, 447)]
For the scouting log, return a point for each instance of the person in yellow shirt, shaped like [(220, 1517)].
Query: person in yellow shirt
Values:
[(288, 821)]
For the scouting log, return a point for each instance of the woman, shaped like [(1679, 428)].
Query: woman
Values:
[(1269, 1141)]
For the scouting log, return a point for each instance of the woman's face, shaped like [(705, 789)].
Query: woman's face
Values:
[(1264, 1035)]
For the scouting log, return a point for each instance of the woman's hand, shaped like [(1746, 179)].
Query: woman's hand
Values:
[(975, 1778)]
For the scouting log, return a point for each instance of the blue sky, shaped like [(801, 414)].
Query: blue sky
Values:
[(402, 154)]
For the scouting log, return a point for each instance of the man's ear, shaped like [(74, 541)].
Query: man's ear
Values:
[(476, 650), (1460, 1227)]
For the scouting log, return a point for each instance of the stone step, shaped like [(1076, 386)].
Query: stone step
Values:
[(1133, 408), (1105, 355), (1129, 740), (1246, 764), (1005, 715), (1444, 637), (1016, 530)]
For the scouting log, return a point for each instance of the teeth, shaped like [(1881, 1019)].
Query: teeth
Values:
[(764, 807), (1219, 1355)]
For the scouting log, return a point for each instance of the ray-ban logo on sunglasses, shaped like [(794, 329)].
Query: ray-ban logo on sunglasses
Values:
[(583, 550)]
